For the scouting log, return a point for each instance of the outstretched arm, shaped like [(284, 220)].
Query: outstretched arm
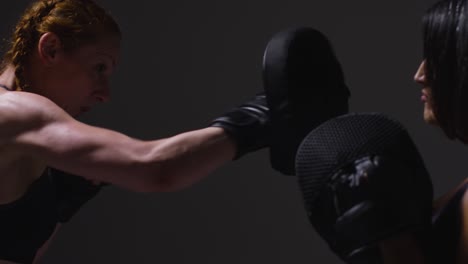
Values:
[(40, 128)]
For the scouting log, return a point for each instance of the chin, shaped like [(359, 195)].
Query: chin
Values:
[(429, 117), (430, 121)]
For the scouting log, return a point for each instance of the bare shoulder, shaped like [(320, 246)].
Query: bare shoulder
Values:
[(28, 105), (22, 111), (36, 127), (464, 200), (462, 251), (445, 199)]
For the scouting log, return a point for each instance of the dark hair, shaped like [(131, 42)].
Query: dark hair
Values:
[(76, 22), (445, 30)]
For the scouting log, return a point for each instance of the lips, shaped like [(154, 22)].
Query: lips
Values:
[(424, 96)]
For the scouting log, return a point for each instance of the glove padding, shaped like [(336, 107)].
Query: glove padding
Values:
[(363, 181), (248, 125), (304, 85)]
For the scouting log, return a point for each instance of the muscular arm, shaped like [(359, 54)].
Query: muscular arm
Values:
[(40, 128)]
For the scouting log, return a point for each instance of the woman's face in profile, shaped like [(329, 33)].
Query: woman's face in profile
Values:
[(421, 78), (78, 80)]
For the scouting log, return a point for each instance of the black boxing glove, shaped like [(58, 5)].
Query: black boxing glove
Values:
[(248, 125), (374, 198)]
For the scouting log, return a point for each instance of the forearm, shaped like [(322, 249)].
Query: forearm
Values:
[(188, 157)]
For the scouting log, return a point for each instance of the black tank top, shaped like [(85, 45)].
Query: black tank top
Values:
[(446, 229)]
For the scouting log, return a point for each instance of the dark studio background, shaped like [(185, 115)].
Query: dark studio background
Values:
[(185, 62)]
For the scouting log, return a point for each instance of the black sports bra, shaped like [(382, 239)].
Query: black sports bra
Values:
[(27, 223)]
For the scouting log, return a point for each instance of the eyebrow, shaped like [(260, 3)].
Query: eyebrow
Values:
[(109, 56)]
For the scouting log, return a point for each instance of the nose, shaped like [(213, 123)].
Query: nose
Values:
[(420, 76)]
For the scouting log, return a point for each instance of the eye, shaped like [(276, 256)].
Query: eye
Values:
[(101, 68)]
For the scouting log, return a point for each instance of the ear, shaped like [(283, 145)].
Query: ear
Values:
[(49, 48)]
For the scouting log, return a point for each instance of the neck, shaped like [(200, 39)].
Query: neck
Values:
[(7, 78)]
